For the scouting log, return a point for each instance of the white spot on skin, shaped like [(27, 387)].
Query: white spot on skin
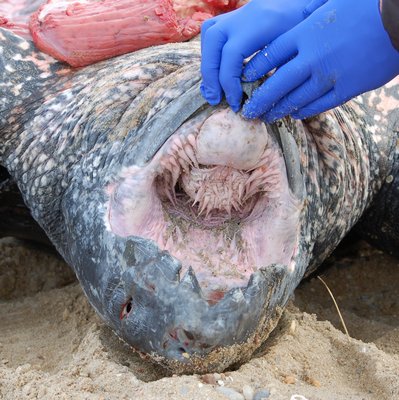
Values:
[(372, 129), (9, 68), (17, 57), (42, 158), (45, 75), (96, 162), (16, 90), (24, 45), (43, 181)]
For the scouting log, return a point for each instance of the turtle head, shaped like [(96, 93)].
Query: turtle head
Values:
[(184, 223), (196, 281), (187, 226), (181, 221)]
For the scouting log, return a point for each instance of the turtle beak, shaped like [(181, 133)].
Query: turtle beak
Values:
[(160, 313)]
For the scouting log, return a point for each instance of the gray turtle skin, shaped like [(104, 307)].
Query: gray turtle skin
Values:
[(67, 136)]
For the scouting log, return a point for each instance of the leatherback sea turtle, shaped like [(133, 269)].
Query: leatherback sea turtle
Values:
[(188, 227)]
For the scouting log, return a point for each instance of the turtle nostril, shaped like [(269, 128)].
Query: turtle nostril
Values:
[(126, 309)]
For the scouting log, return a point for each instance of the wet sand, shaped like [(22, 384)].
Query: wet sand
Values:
[(53, 346)]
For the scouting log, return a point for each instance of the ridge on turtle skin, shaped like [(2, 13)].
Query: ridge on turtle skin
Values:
[(117, 162)]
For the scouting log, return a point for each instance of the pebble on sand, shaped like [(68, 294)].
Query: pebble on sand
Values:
[(248, 392), (230, 393), (262, 394), (289, 379)]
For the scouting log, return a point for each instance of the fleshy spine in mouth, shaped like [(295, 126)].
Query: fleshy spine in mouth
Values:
[(216, 197), (213, 194)]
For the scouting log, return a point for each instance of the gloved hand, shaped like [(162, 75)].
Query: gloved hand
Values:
[(228, 39), (338, 52)]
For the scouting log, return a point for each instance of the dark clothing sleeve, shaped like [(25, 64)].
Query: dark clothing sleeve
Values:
[(390, 19)]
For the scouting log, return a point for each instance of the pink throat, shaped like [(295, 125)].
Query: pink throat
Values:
[(216, 197)]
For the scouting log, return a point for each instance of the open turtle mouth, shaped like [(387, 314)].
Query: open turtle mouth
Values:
[(217, 196)]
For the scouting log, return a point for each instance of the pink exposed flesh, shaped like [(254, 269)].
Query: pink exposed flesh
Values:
[(15, 14), (82, 32), (215, 197)]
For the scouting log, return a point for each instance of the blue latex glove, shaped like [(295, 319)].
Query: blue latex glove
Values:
[(338, 52), (228, 39)]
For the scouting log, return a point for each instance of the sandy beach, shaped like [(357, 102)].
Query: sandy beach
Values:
[(53, 346)]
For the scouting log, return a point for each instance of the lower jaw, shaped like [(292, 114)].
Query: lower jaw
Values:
[(221, 358), (223, 245)]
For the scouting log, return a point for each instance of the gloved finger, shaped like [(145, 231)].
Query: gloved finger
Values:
[(205, 26), (305, 94), (234, 52), (213, 42), (231, 65), (324, 103), (282, 82), (277, 53), (313, 6)]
